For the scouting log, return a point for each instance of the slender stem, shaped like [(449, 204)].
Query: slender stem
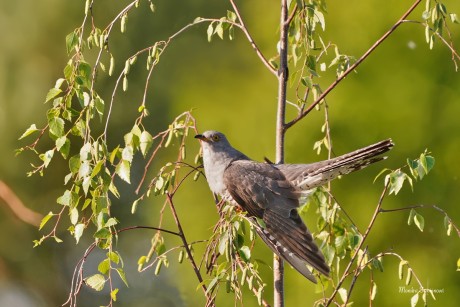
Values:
[(209, 300), (278, 267), (251, 40), (353, 67)]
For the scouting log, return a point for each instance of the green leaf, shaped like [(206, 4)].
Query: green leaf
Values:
[(114, 257), (114, 190), (414, 300), (52, 93), (46, 157), (74, 164), (103, 233), (209, 32), (245, 253), (84, 72), (409, 276), (125, 84), (134, 206), (97, 168), (111, 222), (146, 142), (411, 216), (29, 131), (56, 126), (231, 16), (122, 275), (377, 263), (63, 146), (71, 40), (96, 281), (212, 284), (127, 154), (343, 294), (78, 232), (60, 142), (373, 291), (223, 244), (100, 105), (329, 253), (65, 199), (45, 219), (402, 263), (113, 294), (123, 170), (419, 221), (85, 169), (219, 30), (104, 266), (74, 216), (396, 180)]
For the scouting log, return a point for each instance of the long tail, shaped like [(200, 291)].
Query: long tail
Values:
[(291, 240), (308, 176)]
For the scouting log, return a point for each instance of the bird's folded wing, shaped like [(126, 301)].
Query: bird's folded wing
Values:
[(258, 186), (263, 191)]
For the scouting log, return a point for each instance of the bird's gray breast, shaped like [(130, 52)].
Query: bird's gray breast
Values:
[(214, 168)]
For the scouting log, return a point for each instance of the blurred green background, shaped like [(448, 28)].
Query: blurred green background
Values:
[(403, 91)]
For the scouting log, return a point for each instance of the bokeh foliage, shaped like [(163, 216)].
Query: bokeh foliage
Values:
[(412, 89)]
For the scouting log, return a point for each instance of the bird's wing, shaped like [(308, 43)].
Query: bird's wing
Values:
[(308, 176), (264, 192)]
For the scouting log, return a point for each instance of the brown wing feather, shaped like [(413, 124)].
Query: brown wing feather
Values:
[(263, 191)]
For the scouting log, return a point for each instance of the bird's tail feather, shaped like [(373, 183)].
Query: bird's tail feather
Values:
[(290, 239), (309, 176)]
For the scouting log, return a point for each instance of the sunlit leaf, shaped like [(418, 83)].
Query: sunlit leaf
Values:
[(123, 170), (78, 232), (96, 281), (56, 126), (414, 300), (121, 273), (146, 142), (103, 233), (29, 131), (71, 41), (74, 216), (104, 266), (45, 219), (419, 221), (245, 253)]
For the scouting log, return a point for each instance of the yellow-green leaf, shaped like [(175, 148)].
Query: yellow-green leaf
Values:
[(96, 281), (29, 131)]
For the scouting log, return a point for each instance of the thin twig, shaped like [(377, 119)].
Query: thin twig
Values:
[(251, 40), (187, 247), (352, 67), (425, 206)]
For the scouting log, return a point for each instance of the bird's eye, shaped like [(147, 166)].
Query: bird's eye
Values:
[(215, 137)]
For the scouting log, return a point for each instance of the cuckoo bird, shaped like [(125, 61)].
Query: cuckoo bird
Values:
[(270, 193)]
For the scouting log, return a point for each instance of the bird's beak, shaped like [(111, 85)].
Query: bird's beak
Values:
[(201, 137)]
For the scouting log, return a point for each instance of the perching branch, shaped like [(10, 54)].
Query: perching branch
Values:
[(278, 267)]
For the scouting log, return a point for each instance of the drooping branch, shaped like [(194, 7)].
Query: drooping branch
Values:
[(251, 40), (323, 95)]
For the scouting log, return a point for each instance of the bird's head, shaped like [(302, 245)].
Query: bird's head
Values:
[(213, 139)]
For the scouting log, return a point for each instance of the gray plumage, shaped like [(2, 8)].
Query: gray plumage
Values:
[(271, 192)]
